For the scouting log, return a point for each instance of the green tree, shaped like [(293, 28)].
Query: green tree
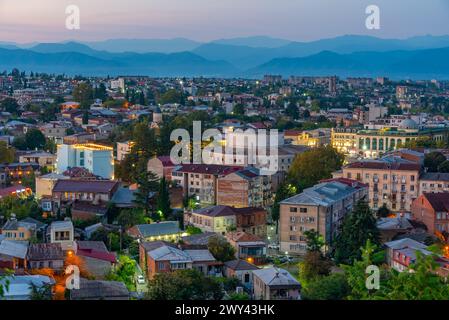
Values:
[(444, 167), (357, 228), (187, 284), (85, 117), (284, 191), (239, 110), (131, 217), (315, 241), (191, 230), (9, 105), (163, 200), (383, 212), (7, 154), (41, 293), (433, 160), (221, 249), (148, 182), (314, 165), (83, 94), (332, 287), (124, 272), (34, 139), (292, 111)]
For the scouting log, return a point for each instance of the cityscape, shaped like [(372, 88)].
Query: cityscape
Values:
[(136, 168)]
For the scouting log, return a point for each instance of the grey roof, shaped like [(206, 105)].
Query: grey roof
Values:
[(104, 290), (200, 255), (13, 248), (45, 251), (405, 243), (240, 265), (169, 253), (39, 225), (435, 176), (393, 223), (124, 196), (92, 245), (323, 194), (200, 239), (276, 277), (159, 229), (61, 225)]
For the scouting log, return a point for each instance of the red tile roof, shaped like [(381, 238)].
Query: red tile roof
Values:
[(438, 201), (166, 161)]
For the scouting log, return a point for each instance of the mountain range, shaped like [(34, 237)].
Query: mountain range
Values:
[(351, 55)]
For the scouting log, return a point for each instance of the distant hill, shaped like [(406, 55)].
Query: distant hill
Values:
[(150, 64), (254, 42), (145, 45), (419, 64)]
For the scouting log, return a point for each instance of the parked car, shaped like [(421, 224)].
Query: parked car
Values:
[(140, 279), (273, 246)]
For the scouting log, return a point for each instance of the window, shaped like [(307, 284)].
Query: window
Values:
[(303, 210), (293, 209)]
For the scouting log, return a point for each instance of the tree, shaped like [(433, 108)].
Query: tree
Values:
[(284, 191), (332, 287), (34, 139), (124, 272), (85, 117), (239, 110), (163, 200), (148, 182), (383, 212), (292, 111), (357, 228), (189, 284), (221, 249), (444, 167), (41, 293), (314, 165), (314, 241), (83, 94), (128, 218), (7, 154), (433, 160), (191, 230), (9, 105), (171, 96)]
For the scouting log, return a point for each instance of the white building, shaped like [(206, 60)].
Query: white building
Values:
[(118, 84), (98, 159), (62, 232)]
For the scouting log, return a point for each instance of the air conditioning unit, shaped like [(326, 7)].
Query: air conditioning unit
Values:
[(239, 290)]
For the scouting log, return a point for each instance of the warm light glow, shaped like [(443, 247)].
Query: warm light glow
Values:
[(93, 147)]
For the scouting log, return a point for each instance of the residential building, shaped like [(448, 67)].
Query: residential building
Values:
[(432, 209), (13, 254), (44, 159), (46, 255), (100, 290), (248, 247), (166, 230), (244, 188), (46, 183), (242, 270), (275, 284), (97, 259), (393, 184), (18, 230), (123, 148), (98, 159), (322, 208), (200, 180), (218, 219), (162, 166), (62, 232), (433, 182)]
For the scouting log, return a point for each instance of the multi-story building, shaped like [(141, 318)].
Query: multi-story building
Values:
[(321, 208), (62, 232), (162, 166), (54, 131), (432, 209), (345, 140), (200, 180), (248, 247), (244, 188), (310, 138), (98, 159), (395, 184), (44, 159), (433, 182)]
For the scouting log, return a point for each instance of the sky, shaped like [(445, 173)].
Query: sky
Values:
[(25, 21)]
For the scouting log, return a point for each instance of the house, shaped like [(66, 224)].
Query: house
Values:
[(124, 197), (248, 247), (85, 211), (322, 208), (20, 285), (123, 148), (13, 254), (62, 232), (242, 270), (94, 191), (97, 259), (275, 284), (167, 230), (44, 159), (162, 166), (201, 239), (18, 230), (158, 257), (218, 219), (17, 171), (15, 191), (99, 290), (432, 209), (46, 255), (46, 183)]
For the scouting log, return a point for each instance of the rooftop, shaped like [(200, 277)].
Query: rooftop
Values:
[(438, 201), (94, 186), (383, 165), (158, 229), (276, 277)]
